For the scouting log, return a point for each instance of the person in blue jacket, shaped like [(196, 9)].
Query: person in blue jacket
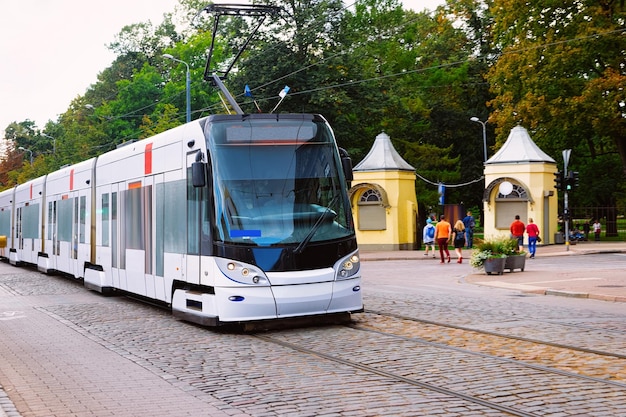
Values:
[(469, 224)]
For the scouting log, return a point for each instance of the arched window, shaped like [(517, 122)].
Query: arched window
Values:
[(372, 213), (370, 196), (510, 205), (518, 192)]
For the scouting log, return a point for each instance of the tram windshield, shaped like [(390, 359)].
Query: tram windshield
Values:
[(277, 182)]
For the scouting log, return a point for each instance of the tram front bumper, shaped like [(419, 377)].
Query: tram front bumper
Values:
[(240, 304)]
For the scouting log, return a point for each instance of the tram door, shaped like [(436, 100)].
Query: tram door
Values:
[(106, 224), (135, 235), (28, 200), (69, 230), (195, 205), (60, 227)]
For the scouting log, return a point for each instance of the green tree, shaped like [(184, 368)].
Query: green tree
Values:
[(23, 135), (564, 80), (165, 120), (204, 96), (561, 74)]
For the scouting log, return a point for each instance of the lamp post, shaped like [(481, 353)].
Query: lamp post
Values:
[(54, 142), (187, 86), (21, 148), (477, 120)]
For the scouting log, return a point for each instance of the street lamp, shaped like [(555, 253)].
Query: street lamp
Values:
[(187, 86), (21, 148), (477, 120), (54, 142)]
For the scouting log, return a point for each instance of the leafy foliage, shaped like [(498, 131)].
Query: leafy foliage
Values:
[(560, 74), (555, 67), (499, 247)]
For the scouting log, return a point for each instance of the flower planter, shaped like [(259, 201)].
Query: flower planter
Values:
[(494, 266), (515, 262)]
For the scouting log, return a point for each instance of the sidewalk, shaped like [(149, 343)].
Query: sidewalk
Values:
[(608, 284)]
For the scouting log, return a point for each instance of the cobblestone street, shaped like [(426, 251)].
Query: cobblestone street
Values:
[(435, 345)]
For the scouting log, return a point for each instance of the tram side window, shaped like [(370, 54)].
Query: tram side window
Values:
[(194, 211), (64, 220), (83, 216), (137, 224), (76, 229), (114, 236), (50, 225), (170, 209), (30, 219), (5, 223), (174, 209), (133, 224), (105, 220)]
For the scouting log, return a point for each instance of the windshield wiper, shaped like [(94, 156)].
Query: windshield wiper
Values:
[(298, 250)]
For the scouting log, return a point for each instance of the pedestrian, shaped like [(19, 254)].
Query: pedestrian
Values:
[(533, 235), (459, 240), (597, 229), (443, 234), (517, 232), (469, 224), (429, 237)]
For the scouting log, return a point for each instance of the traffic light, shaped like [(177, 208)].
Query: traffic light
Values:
[(558, 180), (572, 180)]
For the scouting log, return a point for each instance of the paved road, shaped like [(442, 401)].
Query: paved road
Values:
[(603, 281), (107, 363)]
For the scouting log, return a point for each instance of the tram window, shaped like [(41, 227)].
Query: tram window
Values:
[(50, 220), (133, 222), (83, 215), (194, 205), (76, 230), (174, 209), (105, 220), (31, 221), (5, 222), (288, 132), (114, 235), (65, 220)]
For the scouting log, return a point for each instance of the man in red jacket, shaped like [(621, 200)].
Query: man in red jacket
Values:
[(517, 232)]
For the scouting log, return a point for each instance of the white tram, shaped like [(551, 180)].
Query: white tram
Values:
[(230, 218)]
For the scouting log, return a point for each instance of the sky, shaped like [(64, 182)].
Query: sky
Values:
[(51, 51)]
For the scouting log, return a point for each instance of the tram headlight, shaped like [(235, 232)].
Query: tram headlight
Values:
[(349, 266), (241, 272)]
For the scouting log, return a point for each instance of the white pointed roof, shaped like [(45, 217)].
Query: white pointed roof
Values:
[(519, 147), (383, 157)]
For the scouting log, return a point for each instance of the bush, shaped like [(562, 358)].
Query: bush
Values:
[(498, 247)]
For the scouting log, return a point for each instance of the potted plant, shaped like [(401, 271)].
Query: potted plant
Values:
[(515, 259), (491, 255)]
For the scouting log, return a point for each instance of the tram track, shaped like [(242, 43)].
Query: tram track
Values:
[(580, 331), (393, 359), (608, 367), (376, 365), (399, 378), (498, 358), (496, 334)]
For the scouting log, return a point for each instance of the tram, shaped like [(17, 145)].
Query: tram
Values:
[(227, 219)]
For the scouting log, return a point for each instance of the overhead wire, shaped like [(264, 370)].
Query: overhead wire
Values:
[(389, 32)]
